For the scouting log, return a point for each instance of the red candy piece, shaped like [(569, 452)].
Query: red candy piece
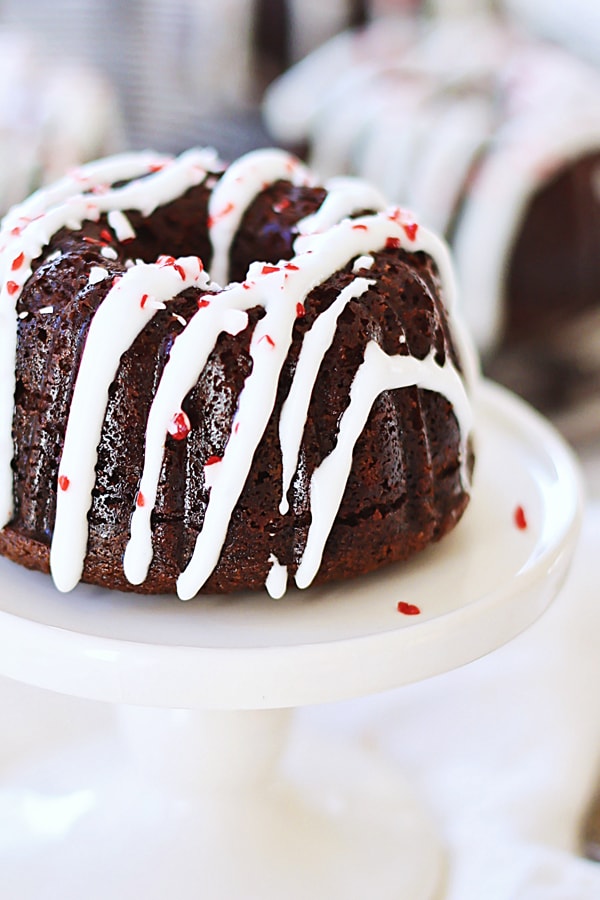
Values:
[(202, 302), (267, 270), (164, 260), (411, 230), (179, 426), (359, 227), (140, 499), (300, 311), (63, 482), (520, 520), (12, 287), (17, 262), (392, 243), (408, 609), (212, 460)]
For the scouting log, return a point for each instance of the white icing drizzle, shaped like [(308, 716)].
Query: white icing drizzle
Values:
[(282, 290), (117, 322), (294, 411), (379, 372), (345, 196), (186, 361), (269, 347), (276, 582), (241, 183), (28, 228)]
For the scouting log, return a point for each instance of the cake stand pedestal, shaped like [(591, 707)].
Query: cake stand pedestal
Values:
[(205, 795)]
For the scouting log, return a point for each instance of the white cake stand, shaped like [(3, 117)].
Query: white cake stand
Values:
[(205, 799)]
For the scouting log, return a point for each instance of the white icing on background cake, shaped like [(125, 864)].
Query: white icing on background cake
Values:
[(457, 116), (282, 290)]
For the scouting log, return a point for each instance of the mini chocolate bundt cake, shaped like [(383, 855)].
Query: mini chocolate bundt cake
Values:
[(301, 411)]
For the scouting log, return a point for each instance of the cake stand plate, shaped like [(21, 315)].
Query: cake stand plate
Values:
[(203, 797)]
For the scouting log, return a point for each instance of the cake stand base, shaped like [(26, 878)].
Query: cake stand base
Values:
[(326, 823)]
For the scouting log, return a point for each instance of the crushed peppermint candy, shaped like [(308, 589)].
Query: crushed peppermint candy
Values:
[(362, 262), (23, 315), (46, 310), (164, 260), (151, 302), (109, 253), (520, 518), (179, 427), (97, 274), (408, 609), (180, 319), (121, 225)]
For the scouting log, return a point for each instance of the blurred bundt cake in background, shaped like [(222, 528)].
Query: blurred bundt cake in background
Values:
[(489, 135)]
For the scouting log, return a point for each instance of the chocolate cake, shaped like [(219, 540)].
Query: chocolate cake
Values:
[(303, 411)]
